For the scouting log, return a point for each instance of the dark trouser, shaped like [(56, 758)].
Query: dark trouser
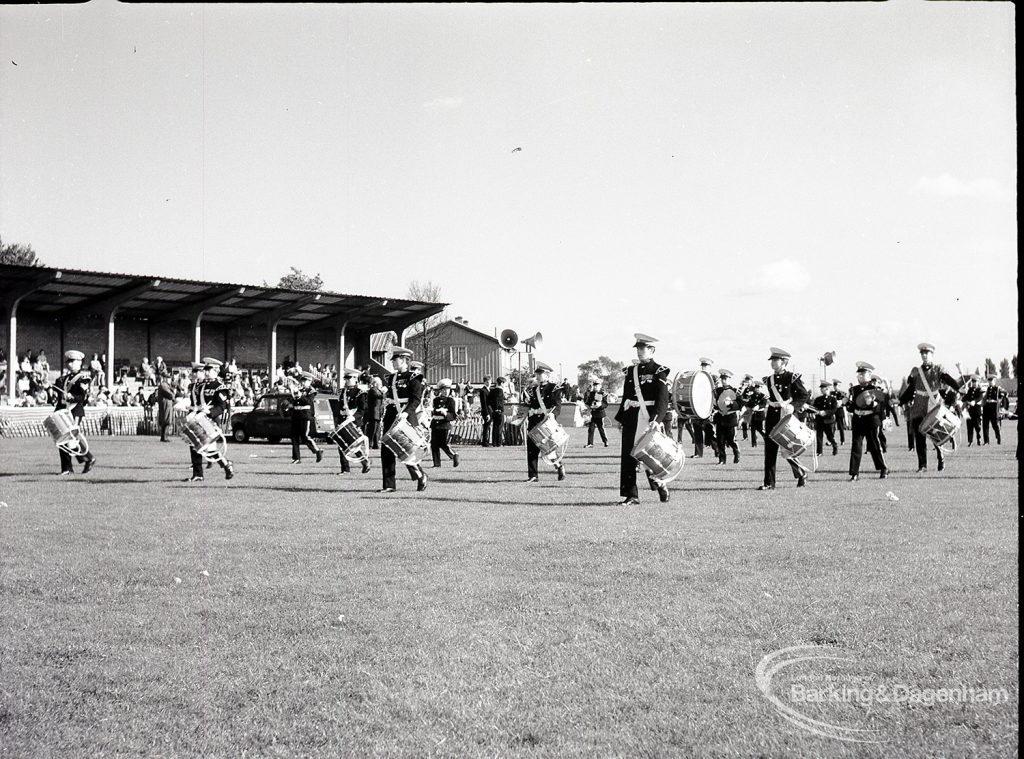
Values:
[(756, 428), (824, 430), (921, 443), (990, 416), (163, 432), (725, 435), (438, 443), (485, 431), (497, 428), (882, 440), (703, 434), (866, 428), (388, 462), (910, 434), (841, 427), (300, 434), (973, 425), (65, 457), (596, 423), (371, 428), (771, 454)]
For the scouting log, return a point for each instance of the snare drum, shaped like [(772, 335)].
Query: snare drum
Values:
[(660, 454), (203, 434), (549, 436), (65, 433), (941, 425), (406, 442), (349, 437), (792, 436), (694, 394)]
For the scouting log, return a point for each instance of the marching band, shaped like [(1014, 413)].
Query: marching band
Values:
[(778, 408)]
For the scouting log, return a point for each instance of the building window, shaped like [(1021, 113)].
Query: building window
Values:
[(458, 355)]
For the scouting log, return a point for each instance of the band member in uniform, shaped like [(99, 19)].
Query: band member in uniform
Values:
[(165, 398), (302, 418), (825, 416), (922, 394), (496, 403), (757, 402), (652, 399), (208, 394), (352, 404), (726, 419), (973, 396), (703, 429), (485, 412), (991, 401), (746, 384), (543, 398), (786, 393), (841, 397), (403, 393), (442, 413), (867, 412), (72, 392), (597, 401)]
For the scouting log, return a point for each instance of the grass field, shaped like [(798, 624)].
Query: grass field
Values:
[(294, 612)]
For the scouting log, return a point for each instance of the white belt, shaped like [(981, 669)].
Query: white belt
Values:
[(537, 412), (637, 404), (863, 412), (925, 393), (774, 404), (401, 404)]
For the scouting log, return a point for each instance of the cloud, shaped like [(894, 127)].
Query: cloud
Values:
[(438, 105), (783, 276), (948, 186)]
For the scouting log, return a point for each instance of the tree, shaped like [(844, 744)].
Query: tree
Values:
[(298, 280), (1004, 368), (17, 254), (990, 367), (1015, 375), (431, 339), (604, 368)]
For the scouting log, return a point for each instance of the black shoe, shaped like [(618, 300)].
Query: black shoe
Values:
[(854, 477), (294, 461), (663, 494), (319, 456), (455, 459), (561, 473), (229, 471), (194, 478), (209, 464), (630, 502), (436, 466), (801, 482), (767, 487), (922, 469), (650, 481), (366, 466), (883, 474), (89, 464), (66, 472), (386, 490), (531, 479), (421, 483), (736, 459), (835, 450), (589, 445), (940, 467), (606, 445)]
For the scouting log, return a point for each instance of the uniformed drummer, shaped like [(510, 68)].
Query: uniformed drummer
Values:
[(72, 392), (867, 412), (841, 398), (209, 395), (302, 418), (704, 429), (756, 400), (403, 393), (923, 387), (726, 417), (973, 397), (352, 404), (597, 401), (542, 399), (786, 393), (646, 387), (442, 414)]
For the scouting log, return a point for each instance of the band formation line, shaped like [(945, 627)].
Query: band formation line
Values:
[(778, 408)]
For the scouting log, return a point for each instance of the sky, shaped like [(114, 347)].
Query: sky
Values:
[(724, 177)]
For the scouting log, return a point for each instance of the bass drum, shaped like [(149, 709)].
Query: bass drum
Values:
[(693, 394)]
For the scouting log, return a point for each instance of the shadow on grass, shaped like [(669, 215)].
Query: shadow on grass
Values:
[(531, 504)]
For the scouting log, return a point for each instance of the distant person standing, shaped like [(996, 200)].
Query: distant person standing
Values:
[(597, 401), (825, 417), (165, 397), (973, 397), (841, 398), (726, 418), (373, 411), (485, 412), (991, 402), (496, 403)]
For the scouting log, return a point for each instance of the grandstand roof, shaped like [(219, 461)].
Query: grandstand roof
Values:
[(60, 293)]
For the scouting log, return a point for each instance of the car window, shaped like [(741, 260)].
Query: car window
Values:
[(269, 404)]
